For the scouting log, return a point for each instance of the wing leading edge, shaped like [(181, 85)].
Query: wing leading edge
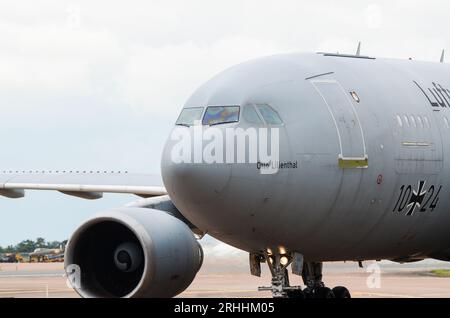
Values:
[(86, 185)]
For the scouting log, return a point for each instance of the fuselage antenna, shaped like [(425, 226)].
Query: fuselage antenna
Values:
[(358, 50)]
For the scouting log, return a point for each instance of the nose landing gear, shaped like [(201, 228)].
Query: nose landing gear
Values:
[(311, 273), (280, 287)]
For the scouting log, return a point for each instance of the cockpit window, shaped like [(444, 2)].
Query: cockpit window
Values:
[(189, 116), (251, 116), (269, 114), (215, 115)]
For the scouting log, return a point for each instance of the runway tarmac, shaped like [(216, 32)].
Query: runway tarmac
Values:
[(216, 279)]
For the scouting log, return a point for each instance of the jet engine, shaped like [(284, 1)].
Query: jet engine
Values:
[(132, 252)]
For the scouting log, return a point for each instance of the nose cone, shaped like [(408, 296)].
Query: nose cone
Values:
[(193, 184), (200, 183)]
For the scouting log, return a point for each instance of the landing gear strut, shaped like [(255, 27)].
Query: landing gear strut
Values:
[(315, 287), (312, 278), (280, 278), (311, 273)]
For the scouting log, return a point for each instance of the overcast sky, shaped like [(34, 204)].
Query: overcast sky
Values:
[(98, 85)]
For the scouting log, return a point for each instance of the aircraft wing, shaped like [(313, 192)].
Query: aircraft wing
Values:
[(84, 184)]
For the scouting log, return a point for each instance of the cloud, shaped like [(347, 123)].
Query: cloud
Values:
[(374, 16), (163, 78)]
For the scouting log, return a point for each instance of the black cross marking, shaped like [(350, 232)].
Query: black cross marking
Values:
[(416, 198)]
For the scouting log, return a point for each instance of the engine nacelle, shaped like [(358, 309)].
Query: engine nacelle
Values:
[(133, 252)]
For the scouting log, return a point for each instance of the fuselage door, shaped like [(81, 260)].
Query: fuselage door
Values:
[(349, 130)]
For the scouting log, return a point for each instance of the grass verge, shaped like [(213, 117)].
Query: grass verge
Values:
[(441, 272)]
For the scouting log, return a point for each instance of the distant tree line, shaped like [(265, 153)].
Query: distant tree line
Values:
[(28, 246)]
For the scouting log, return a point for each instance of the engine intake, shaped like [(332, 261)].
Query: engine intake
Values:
[(133, 252)]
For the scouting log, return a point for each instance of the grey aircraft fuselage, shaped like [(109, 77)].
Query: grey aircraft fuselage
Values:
[(371, 139)]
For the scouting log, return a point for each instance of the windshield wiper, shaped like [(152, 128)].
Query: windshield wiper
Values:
[(224, 122)]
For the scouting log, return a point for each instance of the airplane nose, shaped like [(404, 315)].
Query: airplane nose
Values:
[(198, 183), (193, 182)]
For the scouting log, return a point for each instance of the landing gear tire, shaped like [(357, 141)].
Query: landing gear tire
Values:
[(296, 294), (324, 292), (341, 292), (311, 273)]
